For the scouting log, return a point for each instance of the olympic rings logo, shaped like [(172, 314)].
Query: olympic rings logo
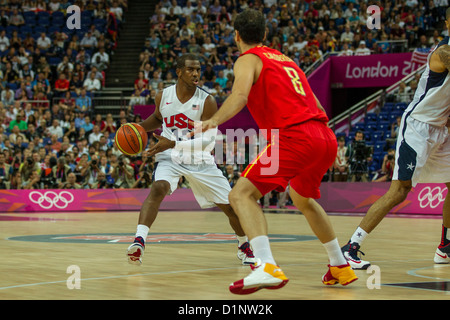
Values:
[(51, 198), (431, 197)]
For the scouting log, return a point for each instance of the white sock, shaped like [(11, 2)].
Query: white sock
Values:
[(142, 231), (261, 249), (241, 240), (358, 236), (334, 253)]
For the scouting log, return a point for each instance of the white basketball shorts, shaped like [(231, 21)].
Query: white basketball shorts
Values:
[(207, 182), (422, 153)]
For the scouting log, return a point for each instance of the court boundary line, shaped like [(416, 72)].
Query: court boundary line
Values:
[(137, 275), (118, 277), (410, 272)]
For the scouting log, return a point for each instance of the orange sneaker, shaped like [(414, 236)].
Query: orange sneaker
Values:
[(264, 275), (343, 274)]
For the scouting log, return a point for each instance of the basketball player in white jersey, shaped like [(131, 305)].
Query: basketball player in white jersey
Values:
[(176, 156), (423, 152)]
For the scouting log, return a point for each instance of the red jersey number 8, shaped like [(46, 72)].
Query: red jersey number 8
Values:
[(295, 79)]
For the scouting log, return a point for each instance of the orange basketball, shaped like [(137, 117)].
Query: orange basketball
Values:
[(131, 139)]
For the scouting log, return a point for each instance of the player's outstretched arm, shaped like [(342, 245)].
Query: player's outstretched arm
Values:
[(244, 76)]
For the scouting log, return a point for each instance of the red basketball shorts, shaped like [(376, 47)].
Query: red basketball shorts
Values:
[(301, 157)]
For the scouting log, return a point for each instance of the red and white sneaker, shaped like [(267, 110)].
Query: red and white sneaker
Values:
[(343, 274), (135, 251), (265, 275), (245, 254), (350, 252), (441, 255)]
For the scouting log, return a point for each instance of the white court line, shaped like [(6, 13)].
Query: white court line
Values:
[(410, 272), (413, 272), (134, 275), (117, 277)]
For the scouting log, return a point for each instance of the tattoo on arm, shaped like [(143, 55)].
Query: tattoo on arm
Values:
[(444, 55)]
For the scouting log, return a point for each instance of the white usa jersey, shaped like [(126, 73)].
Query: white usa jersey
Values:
[(431, 103), (176, 117)]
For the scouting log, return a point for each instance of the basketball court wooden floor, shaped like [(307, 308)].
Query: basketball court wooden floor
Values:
[(191, 256)]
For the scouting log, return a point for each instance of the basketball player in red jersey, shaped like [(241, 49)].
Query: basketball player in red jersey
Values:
[(281, 101)]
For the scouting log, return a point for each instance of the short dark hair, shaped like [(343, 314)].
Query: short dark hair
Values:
[(251, 26), (181, 61)]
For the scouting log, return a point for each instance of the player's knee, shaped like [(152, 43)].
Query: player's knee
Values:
[(226, 208), (401, 191), (159, 190), (233, 197), (404, 190), (236, 195), (304, 204)]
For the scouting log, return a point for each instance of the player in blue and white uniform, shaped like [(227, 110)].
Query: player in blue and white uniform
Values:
[(422, 153), (177, 107)]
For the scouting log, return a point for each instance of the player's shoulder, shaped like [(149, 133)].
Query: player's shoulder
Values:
[(202, 94), (248, 57), (439, 60), (211, 101), (202, 91), (166, 91), (443, 48), (444, 41), (248, 64), (162, 95), (442, 45)]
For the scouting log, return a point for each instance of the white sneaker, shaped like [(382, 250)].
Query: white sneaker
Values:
[(441, 257), (266, 275), (135, 251), (350, 252)]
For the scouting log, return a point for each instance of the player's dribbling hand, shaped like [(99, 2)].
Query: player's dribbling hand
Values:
[(162, 145), (201, 126)]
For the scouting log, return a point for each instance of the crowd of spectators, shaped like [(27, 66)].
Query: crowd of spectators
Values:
[(50, 135), (304, 30)]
